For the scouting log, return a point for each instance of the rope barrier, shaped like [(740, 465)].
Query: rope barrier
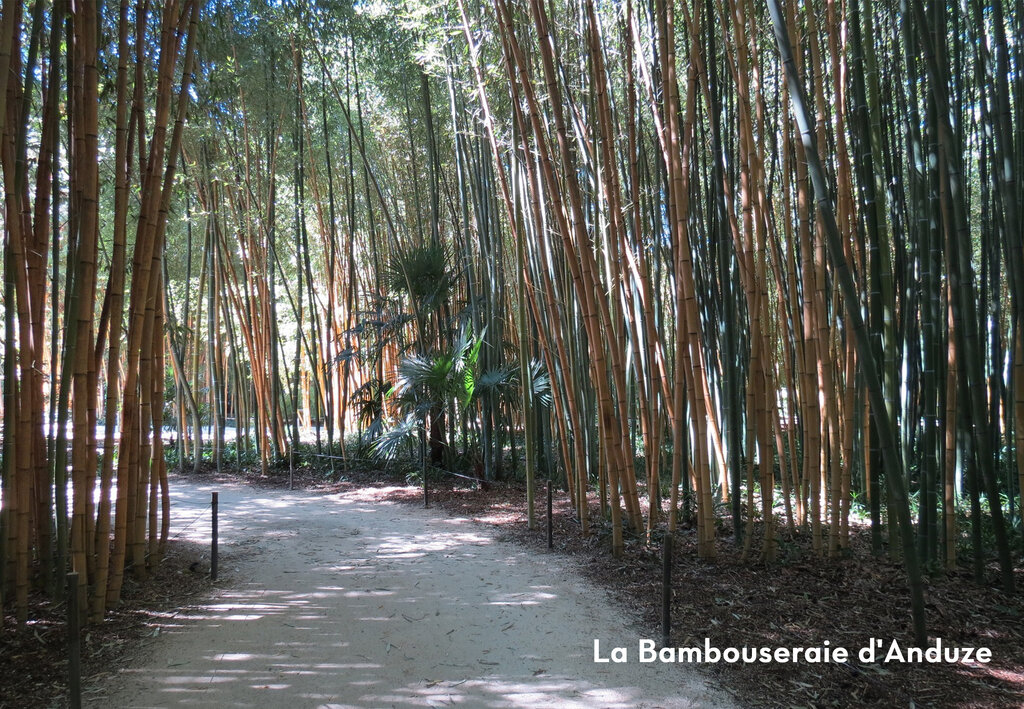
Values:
[(185, 528), (458, 475), (187, 503)]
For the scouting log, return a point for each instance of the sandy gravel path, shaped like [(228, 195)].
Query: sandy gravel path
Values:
[(343, 601)]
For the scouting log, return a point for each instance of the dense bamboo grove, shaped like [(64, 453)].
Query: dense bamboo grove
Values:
[(756, 262), (51, 154)]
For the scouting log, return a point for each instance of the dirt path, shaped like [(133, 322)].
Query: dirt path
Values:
[(343, 601)]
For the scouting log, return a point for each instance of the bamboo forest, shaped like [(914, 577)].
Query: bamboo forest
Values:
[(743, 274)]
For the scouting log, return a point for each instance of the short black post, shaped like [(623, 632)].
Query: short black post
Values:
[(74, 643), (213, 539), (551, 542), (666, 590), (423, 457)]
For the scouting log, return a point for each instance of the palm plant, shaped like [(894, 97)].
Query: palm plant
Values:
[(427, 384), (423, 274), (401, 436), (504, 383), (368, 401)]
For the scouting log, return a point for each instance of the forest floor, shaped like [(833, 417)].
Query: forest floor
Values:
[(799, 601), (33, 663)]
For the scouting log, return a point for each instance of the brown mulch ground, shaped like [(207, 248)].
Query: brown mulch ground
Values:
[(33, 662), (799, 601)]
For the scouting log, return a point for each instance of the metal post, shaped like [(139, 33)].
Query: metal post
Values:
[(74, 643), (423, 458), (551, 543), (213, 541)]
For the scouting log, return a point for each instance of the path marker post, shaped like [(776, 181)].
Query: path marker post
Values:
[(551, 542), (423, 454), (213, 538), (74, 643)]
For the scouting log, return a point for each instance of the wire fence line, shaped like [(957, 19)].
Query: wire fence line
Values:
[(198, 517)]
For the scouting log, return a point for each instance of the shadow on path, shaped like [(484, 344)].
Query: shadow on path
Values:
[(337, 601)]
